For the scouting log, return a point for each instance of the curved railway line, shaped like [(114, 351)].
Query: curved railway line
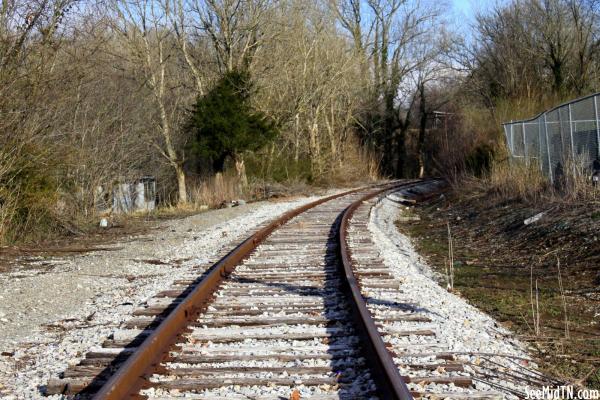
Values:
[(304, 308)]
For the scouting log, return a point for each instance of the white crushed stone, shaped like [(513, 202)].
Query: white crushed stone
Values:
[(355, 374), (50, 318), (459, 326)]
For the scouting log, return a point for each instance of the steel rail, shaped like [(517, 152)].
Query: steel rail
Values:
[(130, 377), (392, 385)]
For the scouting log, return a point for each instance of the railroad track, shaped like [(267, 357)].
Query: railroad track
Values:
[(303, 308), (427, 360)]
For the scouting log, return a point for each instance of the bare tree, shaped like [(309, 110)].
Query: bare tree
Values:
[(145, 31), (351, 16), (551, 20), (183, 23), (535, 49), (234, 29), (312, 84), (586, 42), (402, 28)]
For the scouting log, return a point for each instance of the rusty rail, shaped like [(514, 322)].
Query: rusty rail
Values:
[(391, 384), (130, 377)]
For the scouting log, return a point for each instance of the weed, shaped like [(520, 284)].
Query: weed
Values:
[(510, 270), (450, 268), (563, 299)]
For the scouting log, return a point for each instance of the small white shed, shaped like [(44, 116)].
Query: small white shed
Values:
[(139, 195)]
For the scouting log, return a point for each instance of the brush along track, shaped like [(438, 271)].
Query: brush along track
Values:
[(280, 322), (421, 351)]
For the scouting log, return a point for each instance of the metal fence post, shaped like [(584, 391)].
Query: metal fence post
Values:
[(512, 142), (548, 150), (541, 152), (572, 143), (597, 125), (562, 136), (511, 145), (525, 154)]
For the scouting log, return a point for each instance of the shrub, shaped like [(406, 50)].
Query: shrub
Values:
[(479, 160), (223, 124), (28, 195)]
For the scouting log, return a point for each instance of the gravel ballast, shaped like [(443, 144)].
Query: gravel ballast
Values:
[(53, 313), (461, 328), (54, 310)]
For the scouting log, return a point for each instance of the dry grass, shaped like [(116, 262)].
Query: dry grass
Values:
[(517, 180), (357, 166), (527, 107), (577, 186), (7, 198), (7, 214), (213, 191)]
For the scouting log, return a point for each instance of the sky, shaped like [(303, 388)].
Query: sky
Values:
[(463, 11), (462, 7), (462, 14)]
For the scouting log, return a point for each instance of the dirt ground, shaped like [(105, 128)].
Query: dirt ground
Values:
[(121, 230), (499, 260)]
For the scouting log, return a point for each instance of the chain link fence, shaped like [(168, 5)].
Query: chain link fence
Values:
[(566, 135)]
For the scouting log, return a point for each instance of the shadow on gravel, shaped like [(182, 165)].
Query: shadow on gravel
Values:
[(345, 365), (405, 307), (346, 369)]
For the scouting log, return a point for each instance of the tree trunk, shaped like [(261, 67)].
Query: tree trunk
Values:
[(389, 120), (315, 146), (331, 133), (422, 129), (219, 184), (270, 162), (183, 199), (297, 139), (240, 168), (315, 149), (376, 76), (401, 152)]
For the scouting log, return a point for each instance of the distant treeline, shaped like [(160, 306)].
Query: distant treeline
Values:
[(98, 92)]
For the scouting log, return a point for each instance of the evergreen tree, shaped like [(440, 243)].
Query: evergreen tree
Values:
[(223, 123)]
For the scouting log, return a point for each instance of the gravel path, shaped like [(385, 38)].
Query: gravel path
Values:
[(52, 311)]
